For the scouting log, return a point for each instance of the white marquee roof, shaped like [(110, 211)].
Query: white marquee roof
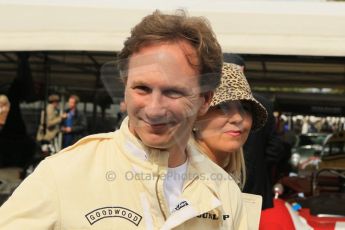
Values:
[(256, 27)]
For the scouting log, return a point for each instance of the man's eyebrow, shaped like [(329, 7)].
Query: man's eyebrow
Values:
[(176, 88), (179, 88), (139, 82)]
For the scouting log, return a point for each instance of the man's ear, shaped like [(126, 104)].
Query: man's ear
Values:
[(124, 80), (206, 102)]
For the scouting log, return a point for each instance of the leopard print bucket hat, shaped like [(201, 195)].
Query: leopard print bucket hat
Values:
[(234, 86)]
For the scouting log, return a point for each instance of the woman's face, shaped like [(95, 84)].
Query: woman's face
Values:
[(4, 109), (225, 128)]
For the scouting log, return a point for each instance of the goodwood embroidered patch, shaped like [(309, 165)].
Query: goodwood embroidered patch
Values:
[(107, 212)]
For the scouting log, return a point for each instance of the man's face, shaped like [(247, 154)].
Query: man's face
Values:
[(162, 94), (4, 110), (72, 103), (55, 104)]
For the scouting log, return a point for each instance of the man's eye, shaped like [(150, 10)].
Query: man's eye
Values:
[(173, 93), (142, 89)]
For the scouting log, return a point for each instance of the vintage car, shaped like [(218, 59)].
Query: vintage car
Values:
[(318, 198), (322, 208), (307, 150), (333, 154)]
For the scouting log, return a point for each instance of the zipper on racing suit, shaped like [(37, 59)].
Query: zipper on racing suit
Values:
[(160, 199)]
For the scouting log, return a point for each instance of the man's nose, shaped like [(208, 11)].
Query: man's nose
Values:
[(156, 106)]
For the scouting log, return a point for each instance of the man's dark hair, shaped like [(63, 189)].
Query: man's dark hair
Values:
[(159, 28)]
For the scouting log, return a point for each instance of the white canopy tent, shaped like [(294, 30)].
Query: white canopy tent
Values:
[(248, 27)]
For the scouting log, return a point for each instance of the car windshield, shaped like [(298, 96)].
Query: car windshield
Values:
[(311, 139)]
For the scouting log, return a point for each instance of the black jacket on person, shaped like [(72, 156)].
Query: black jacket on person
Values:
[(17, 148), (262, 150)]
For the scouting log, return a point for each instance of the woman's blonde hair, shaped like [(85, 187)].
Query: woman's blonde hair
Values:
[(236, 166)]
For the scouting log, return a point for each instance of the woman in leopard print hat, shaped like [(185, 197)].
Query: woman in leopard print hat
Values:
[(223, 130)]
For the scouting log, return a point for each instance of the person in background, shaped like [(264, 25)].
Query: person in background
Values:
[(74, 125), (326, 126), (17, 147), (235, 59), (145, 175), (49, 127), (264, 150), (121, 114), (4, 109)]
